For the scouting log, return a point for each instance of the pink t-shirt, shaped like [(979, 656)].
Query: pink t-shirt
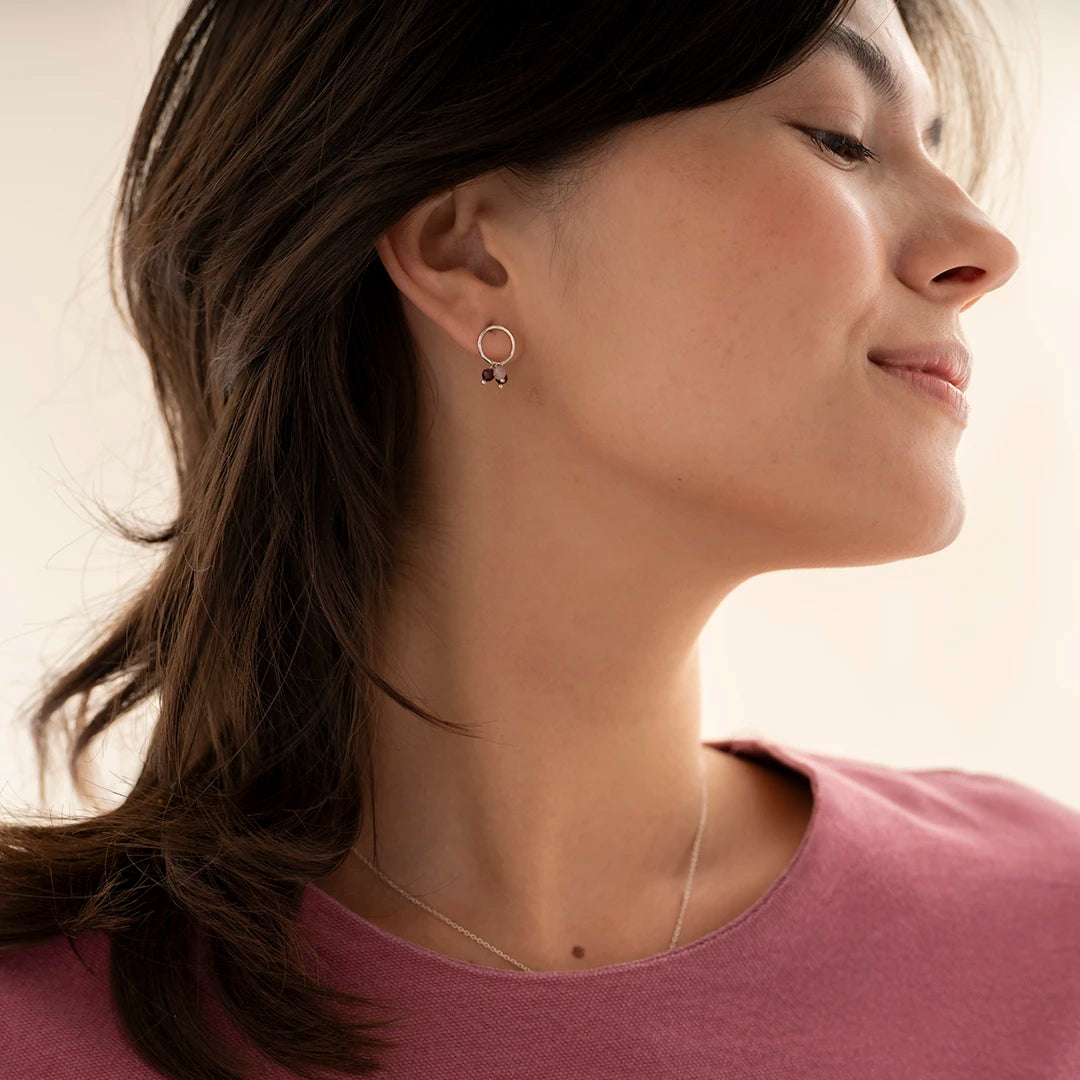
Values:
[(927, 927)]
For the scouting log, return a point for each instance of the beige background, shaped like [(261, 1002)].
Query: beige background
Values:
[(965, 658)]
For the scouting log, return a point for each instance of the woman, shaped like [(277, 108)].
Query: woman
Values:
[(497, 346)]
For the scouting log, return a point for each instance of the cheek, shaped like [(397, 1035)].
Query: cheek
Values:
[(711, 357), (722, 317)]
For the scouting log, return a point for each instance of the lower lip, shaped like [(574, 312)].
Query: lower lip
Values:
[(932, 386)]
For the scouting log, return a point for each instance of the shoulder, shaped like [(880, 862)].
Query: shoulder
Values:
[(51, 971), (1013, 836), (971, 808), (980, 820), (955, 895), (999, 848), (56, 1014)]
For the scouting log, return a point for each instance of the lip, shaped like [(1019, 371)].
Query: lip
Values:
[(930, 385), (948, 360)]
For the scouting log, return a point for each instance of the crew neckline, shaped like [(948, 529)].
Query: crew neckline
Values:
[(325, 907)]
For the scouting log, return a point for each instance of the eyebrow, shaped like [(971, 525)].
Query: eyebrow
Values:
[(878, 72)]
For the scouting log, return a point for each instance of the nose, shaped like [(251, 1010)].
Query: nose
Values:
[(963, 255)]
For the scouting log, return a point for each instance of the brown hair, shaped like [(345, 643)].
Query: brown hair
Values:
[(277, 142)]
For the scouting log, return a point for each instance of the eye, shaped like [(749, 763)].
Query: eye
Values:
[(842, 146)]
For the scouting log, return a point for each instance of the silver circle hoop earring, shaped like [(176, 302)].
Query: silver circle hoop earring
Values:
[(497, 369)]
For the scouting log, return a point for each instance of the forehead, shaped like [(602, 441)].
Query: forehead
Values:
[(880, 23)]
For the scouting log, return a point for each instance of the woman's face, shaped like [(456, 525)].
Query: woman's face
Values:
[(728, 278)]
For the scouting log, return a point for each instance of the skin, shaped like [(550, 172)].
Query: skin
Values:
[(690, 405)]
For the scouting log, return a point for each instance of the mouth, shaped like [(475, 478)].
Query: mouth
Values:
[(929, 385), (948, 359)]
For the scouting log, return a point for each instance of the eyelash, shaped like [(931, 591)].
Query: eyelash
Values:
[(851, 146)]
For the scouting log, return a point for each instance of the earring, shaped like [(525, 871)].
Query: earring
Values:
[(497, 370)]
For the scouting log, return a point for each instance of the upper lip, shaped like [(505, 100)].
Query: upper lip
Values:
[(949, 360)]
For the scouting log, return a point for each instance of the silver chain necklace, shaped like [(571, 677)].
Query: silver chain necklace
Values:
[(517, 963)]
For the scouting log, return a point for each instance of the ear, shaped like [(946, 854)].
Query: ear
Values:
[(437, 258)]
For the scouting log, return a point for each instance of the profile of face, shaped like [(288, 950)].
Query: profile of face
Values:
[(692, 351)]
